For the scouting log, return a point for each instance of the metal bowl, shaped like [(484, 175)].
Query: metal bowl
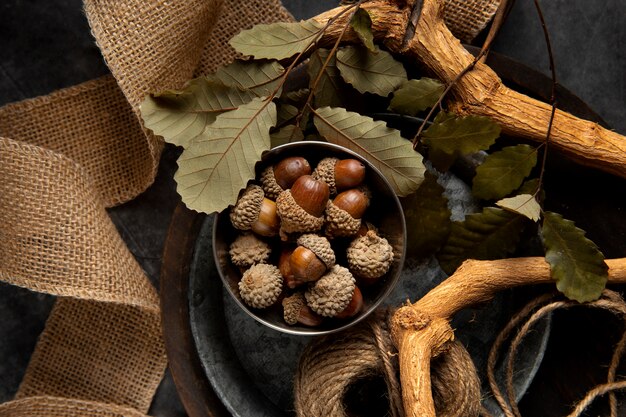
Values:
[(385, 212)]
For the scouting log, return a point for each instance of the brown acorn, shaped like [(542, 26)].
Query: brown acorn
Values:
[(275, 179), (310, 194), (255, 212), (295, 311), (285, 267), (301, 208), (353, 201), (349, 173), (344, 213), (355, 306), (287, 171), (305, 266), (340, 174)]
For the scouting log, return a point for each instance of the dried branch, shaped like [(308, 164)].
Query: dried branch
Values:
[(481, 92), (423, 327)]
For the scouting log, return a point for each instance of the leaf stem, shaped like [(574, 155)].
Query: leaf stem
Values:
[(332, 52), (552, 94), (313, 41)]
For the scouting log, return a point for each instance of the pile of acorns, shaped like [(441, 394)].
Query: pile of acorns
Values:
[(307, 210)]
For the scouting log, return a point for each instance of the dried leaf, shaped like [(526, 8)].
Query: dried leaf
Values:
[(262, 78), (287, 134), (503, 171), (524, 204), (382, 146), (427, 218), (415, 96), (297, 96), (362, 24), (182, 116), (217, 165), (492, 234), (378, 73), (576, 263), (461, 134), (330, 87), (277, 40), (286, 112)]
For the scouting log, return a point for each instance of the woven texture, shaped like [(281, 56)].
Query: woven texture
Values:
[(63, 407), (467, 18), (63, 159), (67, 156)]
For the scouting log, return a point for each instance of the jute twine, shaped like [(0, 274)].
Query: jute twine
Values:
[(64, 158), (330, 364), (522, 324)]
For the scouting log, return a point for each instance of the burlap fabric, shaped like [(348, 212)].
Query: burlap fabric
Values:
[(467, 18), (67, 156)]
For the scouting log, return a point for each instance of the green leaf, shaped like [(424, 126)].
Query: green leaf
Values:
[(368, 72), (382, 146), (262, 78), (524, 204), (362, 24), (277, 40), (492, 234), (415, 96), (180, 117), (217, 165), (330, 87), (464, 135), (287, 134), (427, 218), (576, 263), (503, 171)]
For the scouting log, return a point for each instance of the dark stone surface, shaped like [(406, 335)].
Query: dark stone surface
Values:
[(47, 45)]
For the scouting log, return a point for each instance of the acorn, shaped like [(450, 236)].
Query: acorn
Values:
[(285, 267), (301, 208), (340, 174), (295, 311), (247, 250), (369, 257), (332, 293), (310, 260), (275, 179), (255, 212), (344, 213), (354, 307), (261, 285)]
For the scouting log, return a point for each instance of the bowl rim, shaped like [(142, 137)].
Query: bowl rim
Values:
[(393, 280)]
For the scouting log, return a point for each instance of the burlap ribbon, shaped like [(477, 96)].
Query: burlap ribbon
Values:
[(65, 157)]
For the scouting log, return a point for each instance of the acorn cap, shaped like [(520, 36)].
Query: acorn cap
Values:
[(247, 250), (292, 306), (261, 285), (370, 256), (332, 293), (246, 211), (294, 218), (325, 171), (339, 223), (320, 246), (269, 184)]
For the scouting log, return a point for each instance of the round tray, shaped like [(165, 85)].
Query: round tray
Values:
[(225, 364)]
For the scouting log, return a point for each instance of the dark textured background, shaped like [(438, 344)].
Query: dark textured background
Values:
[(47, 45)]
